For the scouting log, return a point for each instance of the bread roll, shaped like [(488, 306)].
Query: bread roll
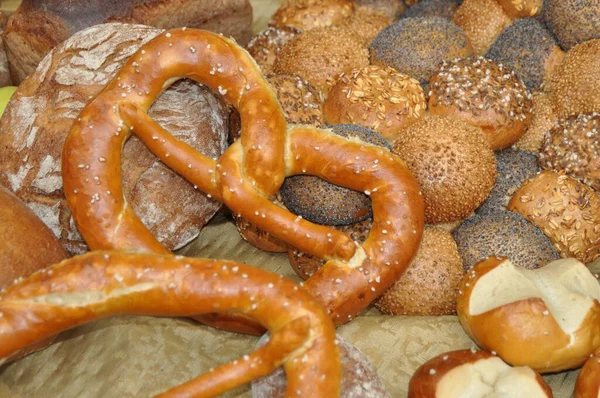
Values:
[(38, 26), (38, 119), (522, 8), (567, 211), (543, 119), (391, 9), (433, 8), (266, 45), (572, 21), (588, 381), (471, 373), (547, 319), (311, 14)]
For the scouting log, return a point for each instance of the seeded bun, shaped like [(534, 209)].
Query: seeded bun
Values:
[(301, 102), (324, 203), (588, 381), (522, 8), (305, 265), (471, 373), (418, 46), (547, 319), (265, 46), (376, 97), (429, 285), (366, 26), (513, 168), (505, 234), (567, 211), (529, 49), (311, 14), (542, 121), (484, 94), (573, 85), (391, 9), (572, 146), (433, 8), (453, 163), (572, 21), (482, 21), (320, 55)]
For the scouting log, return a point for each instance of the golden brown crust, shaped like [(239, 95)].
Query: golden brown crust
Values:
[(300, 101), (430, 284), (391, 9), (452, 162), (311, 14), (101, 284), (522, 8), (542, 120), (484, 94), (378, 98), (482, 21), (588, 381), (266, 45), (424, 382), (250, 171), (523, 333), (320, 55), (567, 211), (366, 25)]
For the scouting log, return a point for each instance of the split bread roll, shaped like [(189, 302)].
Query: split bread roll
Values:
[(548, 319), (475, 374)]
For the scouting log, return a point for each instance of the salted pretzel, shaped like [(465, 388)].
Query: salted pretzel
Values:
[(246, 175), (101, 284)]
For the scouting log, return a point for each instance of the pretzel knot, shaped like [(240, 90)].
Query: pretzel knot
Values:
[(250, 170)]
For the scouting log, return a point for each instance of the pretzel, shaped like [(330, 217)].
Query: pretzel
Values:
[(101, 284), (246, 175)]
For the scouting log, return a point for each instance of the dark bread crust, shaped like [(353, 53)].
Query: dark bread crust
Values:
[(39, 25)]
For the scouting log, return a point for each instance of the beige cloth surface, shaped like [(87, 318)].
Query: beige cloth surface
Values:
[(143, 356)]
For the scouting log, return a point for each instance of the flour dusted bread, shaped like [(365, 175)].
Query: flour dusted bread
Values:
[(548, 319), (39, 25), (37, 120)]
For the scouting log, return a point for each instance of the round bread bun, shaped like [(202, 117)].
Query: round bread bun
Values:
[(547, 319), (258, 237), (320, 55), (471, 373), (433, 8), (506, 234), (311, 14), (429, 285), (418, 46), (359, 378), (324, 203), (43, 109), (366, 26), (301, 102), (572, 85), (484, 94), (305, 265), (588, 381), (572, 146), (391, 9), (566, 210), (572, 21), (482, 21), (453, 163), (266, 45), (529, 49), (376, 97), (542, 121), (513, 168), (522, 8)]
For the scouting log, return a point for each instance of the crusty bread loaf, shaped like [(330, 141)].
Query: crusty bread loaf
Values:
[(5, 79), (39, 25), (38, 119)]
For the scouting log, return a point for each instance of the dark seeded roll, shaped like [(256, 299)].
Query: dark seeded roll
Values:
[(513, 168), (572, 21), (572, 146), (433, 8), (529, 49), (301, 102), (266, 45), (503, 234), (418, 46), (324, 203)]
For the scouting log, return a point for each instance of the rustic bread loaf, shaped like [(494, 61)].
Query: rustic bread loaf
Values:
[(39, 25), (38, 119)]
